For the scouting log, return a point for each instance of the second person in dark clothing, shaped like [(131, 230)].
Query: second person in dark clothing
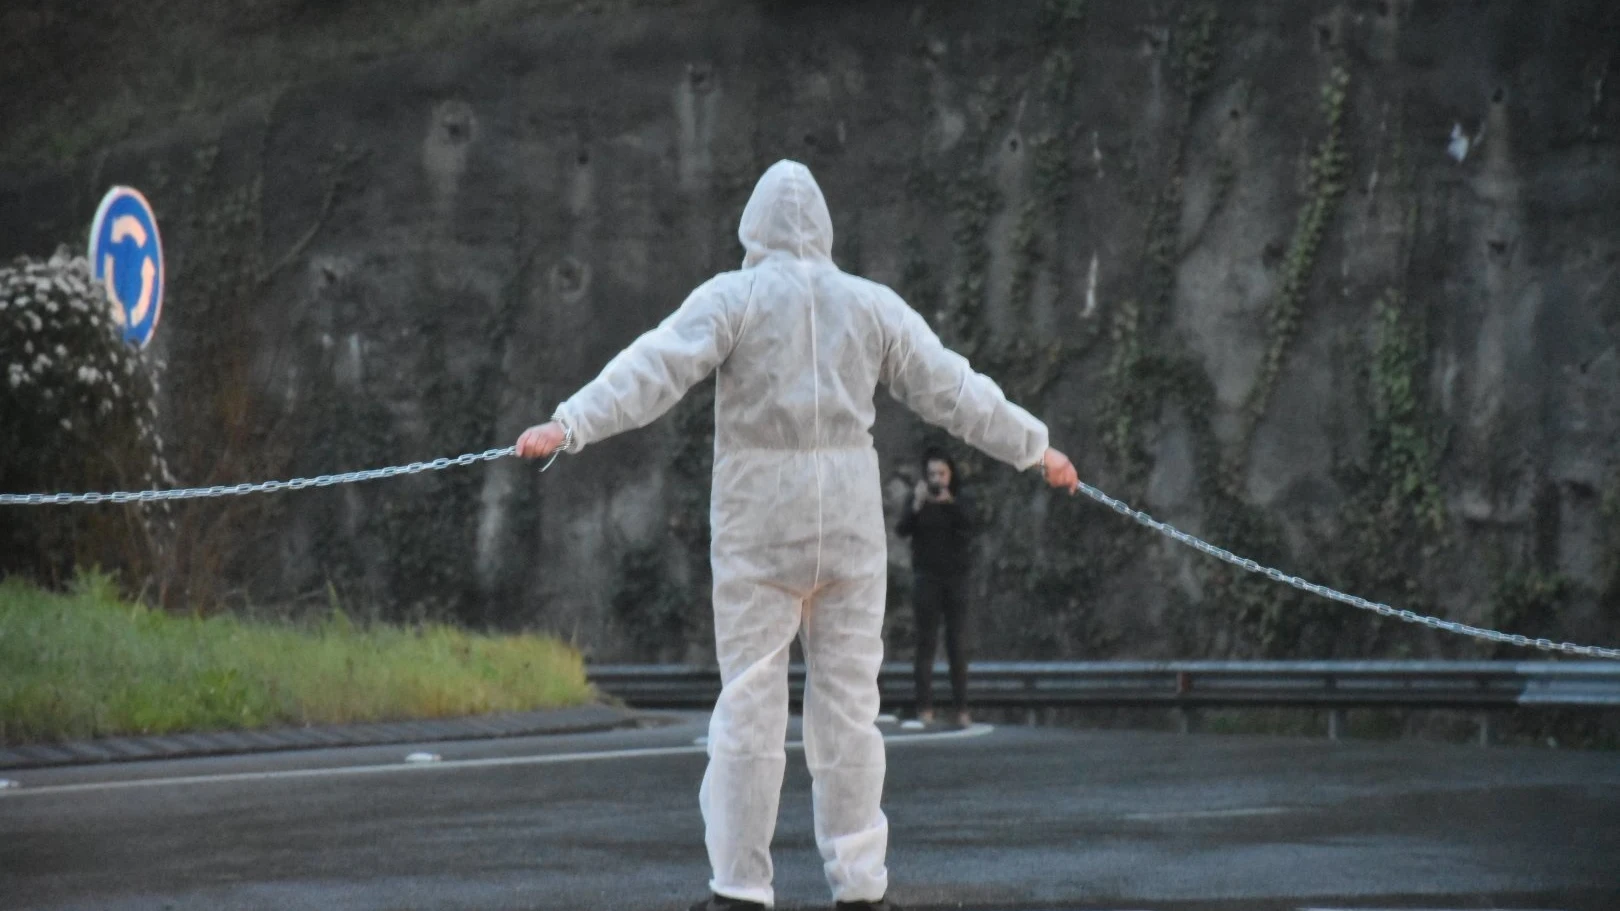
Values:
[(940, 528)]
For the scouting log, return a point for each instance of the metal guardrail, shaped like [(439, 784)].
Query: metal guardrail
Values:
[(1188, 685), (1310, 684)]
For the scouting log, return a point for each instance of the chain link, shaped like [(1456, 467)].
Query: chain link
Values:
[(235, 490), (1119, 506), (1277, 575)]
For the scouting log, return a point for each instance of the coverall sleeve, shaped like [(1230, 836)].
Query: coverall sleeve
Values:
[(647, 378), (943, 389)]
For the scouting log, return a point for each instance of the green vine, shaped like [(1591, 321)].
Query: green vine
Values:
[(1054, 172), (1058, 77), (1526, 601), (1267, 619), (653, 615), (1126, 399), (1395, 520), (1403, 451), (1240, 612), (1325, 185), (1027, 257), (1193, 49), (1026, 367), (974, 201), (1609, 591), (662, 601), (1132, 397)]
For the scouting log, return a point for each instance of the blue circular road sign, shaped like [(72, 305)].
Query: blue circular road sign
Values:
[(126, 256)]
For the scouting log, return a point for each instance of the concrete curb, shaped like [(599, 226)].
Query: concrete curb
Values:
[(582, 720)]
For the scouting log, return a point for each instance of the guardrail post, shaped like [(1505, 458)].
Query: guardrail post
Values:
[(1185, 717), (1483, 721), (1335, 724)]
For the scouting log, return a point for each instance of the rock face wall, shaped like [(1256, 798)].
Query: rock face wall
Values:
[(1336, 284)]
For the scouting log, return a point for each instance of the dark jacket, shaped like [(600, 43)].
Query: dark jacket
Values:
[(941, 537)]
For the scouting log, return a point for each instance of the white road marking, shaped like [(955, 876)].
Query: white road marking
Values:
[(977, 730), (1230, 813), (1413, 909)]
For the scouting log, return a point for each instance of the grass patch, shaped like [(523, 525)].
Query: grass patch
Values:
[(86, 663)]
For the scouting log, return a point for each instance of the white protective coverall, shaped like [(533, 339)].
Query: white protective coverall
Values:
[(799, 545)]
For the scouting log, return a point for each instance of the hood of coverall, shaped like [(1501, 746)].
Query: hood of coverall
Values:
[(787, 214)]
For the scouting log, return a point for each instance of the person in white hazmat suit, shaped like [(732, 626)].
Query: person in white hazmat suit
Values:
[(799, 545)]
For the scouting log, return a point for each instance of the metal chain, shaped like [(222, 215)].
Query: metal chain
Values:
[(232, 490), (1277, 575), (1119, 506)]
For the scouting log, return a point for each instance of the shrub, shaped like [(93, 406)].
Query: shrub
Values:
[(79, 413)]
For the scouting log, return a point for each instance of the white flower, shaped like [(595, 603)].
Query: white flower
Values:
[(61, 351), (51, 307), (66, 424)]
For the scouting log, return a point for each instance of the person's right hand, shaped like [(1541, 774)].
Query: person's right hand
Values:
[(1059, 471), (541, 440), (919, 495)]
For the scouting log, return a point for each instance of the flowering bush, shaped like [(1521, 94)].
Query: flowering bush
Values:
[(78, 412)]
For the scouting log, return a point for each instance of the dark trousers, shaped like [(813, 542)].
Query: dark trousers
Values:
[(937, 598)]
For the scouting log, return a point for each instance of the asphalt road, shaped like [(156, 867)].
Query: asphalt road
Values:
[(1005, 818)]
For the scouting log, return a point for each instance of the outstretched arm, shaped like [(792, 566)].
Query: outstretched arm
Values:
[(942, 387), (644, 380)]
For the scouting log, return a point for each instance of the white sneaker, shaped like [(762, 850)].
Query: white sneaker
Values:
[(912, 724)]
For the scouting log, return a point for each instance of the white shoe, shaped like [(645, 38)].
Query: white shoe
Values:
[(912, 724)]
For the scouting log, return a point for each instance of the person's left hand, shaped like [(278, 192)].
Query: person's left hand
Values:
[(541, 440)]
